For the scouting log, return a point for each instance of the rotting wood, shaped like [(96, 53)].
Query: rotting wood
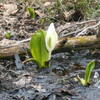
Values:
[(64, 45), (78, 43)]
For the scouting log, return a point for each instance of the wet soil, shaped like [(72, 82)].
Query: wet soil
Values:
[(54, 83)]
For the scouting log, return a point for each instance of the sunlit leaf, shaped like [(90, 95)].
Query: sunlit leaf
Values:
[(31, 12), (90, 66), (38, 48)]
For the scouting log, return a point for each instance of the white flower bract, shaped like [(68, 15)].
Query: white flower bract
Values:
[(51, 38)]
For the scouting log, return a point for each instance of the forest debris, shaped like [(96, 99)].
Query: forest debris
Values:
[(68, 14), (18, 62), (46, 4), (79, 43), (98, 32), (52, 97), (74, 43), (39, 13), (11, 46), (6, 42), (68, 92), (68, 26), (23, 81), (10, 9), (85, 30)]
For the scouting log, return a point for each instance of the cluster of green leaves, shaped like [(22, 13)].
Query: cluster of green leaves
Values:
[(42, 44), (90, 66)]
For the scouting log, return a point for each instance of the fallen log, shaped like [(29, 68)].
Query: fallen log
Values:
[(65, 44), (78, 43)]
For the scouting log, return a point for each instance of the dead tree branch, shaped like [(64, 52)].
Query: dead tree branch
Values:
[(87, 28), (65, 44)]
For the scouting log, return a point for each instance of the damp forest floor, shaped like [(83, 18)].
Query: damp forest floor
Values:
[(58, 82)]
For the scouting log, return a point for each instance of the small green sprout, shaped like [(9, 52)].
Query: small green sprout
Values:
[(41, 45), (31, 12), (7, 35), (86, 81)]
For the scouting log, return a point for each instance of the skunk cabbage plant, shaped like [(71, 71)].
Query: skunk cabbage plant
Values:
[(31, 12), (42, 44), (90, 66)]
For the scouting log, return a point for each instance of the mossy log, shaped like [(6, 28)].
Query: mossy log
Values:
[(78, 43), (64, 44)]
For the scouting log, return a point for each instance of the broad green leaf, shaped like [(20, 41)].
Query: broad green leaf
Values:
[(38, 48), (90, 66), (51, 38), (31, 12)]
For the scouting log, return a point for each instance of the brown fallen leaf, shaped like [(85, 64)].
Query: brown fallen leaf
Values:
[(10, 9), (68, 92), (68, 14), (39, 13), (47, 4)]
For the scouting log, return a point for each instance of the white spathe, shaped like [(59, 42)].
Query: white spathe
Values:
[(51, 38)]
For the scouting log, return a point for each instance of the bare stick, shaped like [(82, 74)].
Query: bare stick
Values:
[(78, 23), (85, 29)]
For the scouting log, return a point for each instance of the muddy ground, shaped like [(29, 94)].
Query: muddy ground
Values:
[(58, 82)]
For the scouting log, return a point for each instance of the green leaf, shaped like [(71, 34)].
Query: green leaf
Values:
[(31, 12), (38, 48), (8, 35), (90, 66)]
